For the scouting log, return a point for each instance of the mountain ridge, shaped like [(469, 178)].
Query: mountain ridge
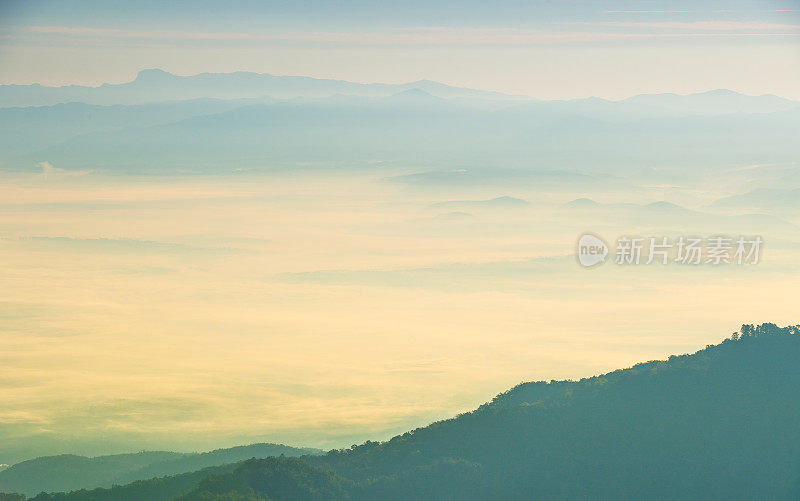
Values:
[(719, 423), (157, 85)]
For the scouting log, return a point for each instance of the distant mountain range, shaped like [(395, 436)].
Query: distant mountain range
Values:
[(669, 214), (156, 85), (163, 123), (715, 102), (407, 126), (67, 472), (718, 424)]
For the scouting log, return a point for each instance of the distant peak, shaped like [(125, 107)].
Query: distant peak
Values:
[(664, 206), (499, 202), (721, 92), (426, 83), (153, 74), (508, 200), (582, 202)]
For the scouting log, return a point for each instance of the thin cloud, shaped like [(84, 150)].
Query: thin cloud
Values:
[(426, 35), (49, 172), (701, 25), (646, 11)]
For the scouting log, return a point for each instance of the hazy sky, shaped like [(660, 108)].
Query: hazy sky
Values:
[(544, 49), (197, 311)]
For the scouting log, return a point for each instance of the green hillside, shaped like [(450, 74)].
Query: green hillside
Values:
[(717, 424)]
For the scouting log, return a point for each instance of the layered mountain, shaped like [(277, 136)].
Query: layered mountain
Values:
[(67, 471), (411, 127)]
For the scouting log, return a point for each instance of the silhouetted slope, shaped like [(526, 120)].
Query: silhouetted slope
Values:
[(69, 472), (719, 424), (274, 479)]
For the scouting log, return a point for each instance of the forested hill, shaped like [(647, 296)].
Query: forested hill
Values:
[(68, 471), (719, 424)]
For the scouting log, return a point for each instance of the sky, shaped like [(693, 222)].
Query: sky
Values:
[(549, 50)]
